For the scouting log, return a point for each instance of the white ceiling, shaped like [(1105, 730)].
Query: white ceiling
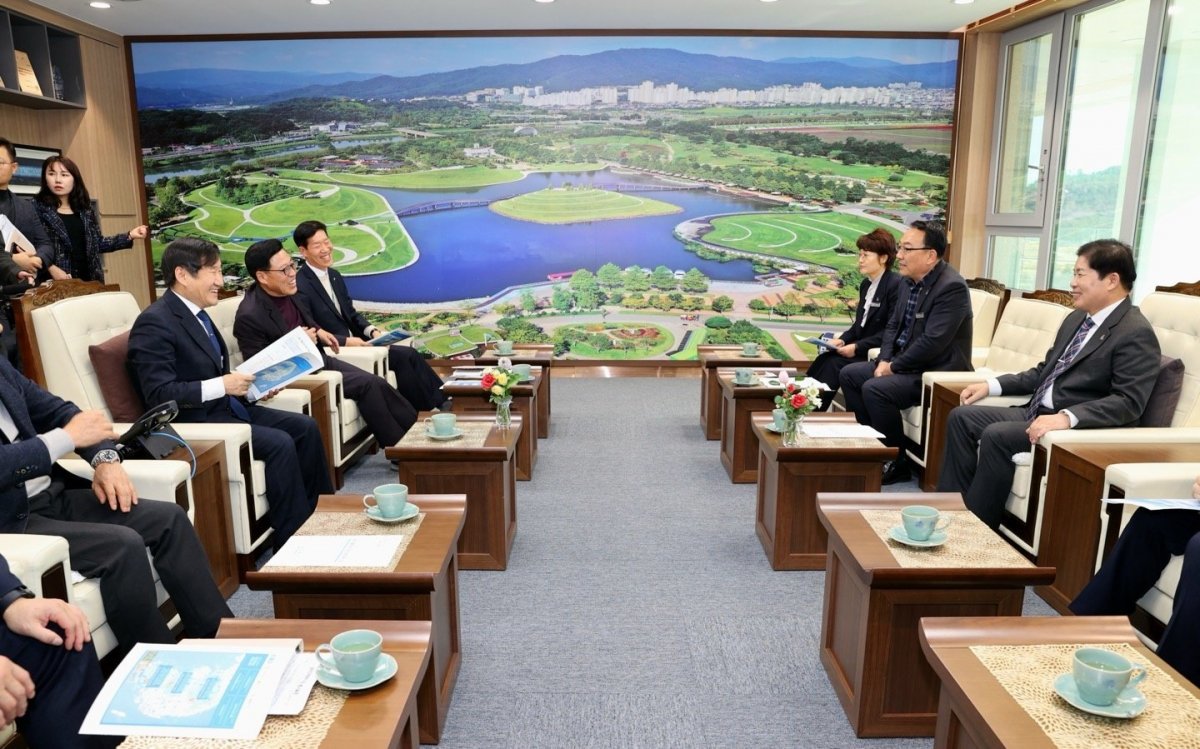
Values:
[(192, 17)]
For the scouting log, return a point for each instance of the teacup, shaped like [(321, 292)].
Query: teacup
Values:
[(780, 418), (355, 654), (743, 375), (390, 500), (441, 424), (921, 522), (523, 371), (504, 348), (1100, 675), (750, 348)]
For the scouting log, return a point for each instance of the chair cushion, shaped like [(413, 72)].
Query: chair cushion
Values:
[(109, 358), (1160, 408)]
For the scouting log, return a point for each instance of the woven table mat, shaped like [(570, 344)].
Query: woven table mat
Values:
[(475, 433), (279, 732), (969, 544), (1027, 673), (825, 443), (355, 524), (735, 354)]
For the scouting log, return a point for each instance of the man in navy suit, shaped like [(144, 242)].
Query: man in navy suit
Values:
[(106, 528), (929, 331), (332, 309), (18, 267), (49, 674), (1098, 374), (176, 353)]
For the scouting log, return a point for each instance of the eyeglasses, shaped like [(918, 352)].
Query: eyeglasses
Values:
[(6, 163), (911, 249), (290, 270)]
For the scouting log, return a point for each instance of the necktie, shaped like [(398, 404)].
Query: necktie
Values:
[(235, 405), (1063, 362)]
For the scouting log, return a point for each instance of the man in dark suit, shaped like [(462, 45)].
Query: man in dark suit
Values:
[(324, 289), (176, 353), (1144, 548), (45, 646), (1098, 373), (106, 528), (272, 308), (18, 267), (929, 331)]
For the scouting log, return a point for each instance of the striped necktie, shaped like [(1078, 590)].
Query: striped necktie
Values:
[(1063, 362)]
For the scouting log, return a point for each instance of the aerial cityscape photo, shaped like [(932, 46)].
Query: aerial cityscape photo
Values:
[(618, 197)]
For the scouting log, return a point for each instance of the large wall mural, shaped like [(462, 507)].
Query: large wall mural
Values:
[(621, 197)]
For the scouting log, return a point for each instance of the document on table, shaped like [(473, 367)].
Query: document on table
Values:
[(336, 551), (212, 692), (281, 363), (839, 431), (467, 374), (1155, 504), (298, 677)]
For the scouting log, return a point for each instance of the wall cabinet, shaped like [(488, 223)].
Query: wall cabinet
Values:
[(40, 65)]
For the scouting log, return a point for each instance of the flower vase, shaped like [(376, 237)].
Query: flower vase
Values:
[(504, 412), (791, 431)]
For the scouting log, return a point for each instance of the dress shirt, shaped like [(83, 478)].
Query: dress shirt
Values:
[(212, 388), (58, 443), (323, 277), (870, 297)]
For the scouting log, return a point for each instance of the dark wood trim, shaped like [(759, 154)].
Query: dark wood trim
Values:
[(143, 203), (1191, 288), (41, 296), (420, 33)]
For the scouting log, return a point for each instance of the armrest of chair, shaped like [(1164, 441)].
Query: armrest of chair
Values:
[(950, 378), (979, 355), (292, 400), (30, 556), (1153, 480), (373, 359), (1137, 435), (152, 479)]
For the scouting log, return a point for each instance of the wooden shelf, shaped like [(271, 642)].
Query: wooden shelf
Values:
[(50, 50)]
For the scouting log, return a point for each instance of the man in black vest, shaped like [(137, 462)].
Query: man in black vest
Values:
[(325, 291)]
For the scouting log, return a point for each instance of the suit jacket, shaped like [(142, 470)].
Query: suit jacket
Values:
[(1109, 381), (170, 355), (25, 219), (95, 242), (258, 323), (940, 340), (8, 581), (882, 306), (349, 322), (34, 411)]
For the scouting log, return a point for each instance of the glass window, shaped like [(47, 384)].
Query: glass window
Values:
[(1167, 251), (1014, 261), (1025, 101), (1106, 59)]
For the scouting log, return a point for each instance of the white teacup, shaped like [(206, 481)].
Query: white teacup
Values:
[(921, 521), (1100, 674), (504, 348), (750, 348), (441, 424), (390, 500), (780, 418), (355, 654), (743, 375)]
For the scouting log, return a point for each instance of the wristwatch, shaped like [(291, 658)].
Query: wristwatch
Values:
[(106, 456), (12, 596)]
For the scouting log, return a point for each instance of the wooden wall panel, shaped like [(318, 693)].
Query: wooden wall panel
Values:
[(973, 136)]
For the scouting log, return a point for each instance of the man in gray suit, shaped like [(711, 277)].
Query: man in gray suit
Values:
[(1099, 373)]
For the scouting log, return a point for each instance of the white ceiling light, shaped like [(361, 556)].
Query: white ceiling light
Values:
[(768, 1), (100, 5), (319, 2), (963, 2), (543, 1)]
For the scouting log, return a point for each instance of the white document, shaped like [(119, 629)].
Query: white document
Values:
[(336, 551), (278, 365), (839, 431), (299, 675), (13, 239), (1156, 504), (213, 692)]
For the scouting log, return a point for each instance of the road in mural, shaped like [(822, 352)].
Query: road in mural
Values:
[(619, 197)]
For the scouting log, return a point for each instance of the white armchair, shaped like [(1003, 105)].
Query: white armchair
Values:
[(1145, 481), (1176, 320)]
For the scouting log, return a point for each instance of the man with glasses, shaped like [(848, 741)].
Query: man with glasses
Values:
[(272, 308), (176, 353), (18, 267), (1099, 373), (929, 331)]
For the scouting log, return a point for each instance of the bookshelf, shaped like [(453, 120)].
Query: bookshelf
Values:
[(40, 65)]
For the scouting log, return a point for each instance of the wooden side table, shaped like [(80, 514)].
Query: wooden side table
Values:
[(318, 391), (423, 586), (711, 357), (213, 517), (942, 400), (789, 479), (469, 398), (535, 355), (874, 602), (739, 447), (484, 472), (384, 717)]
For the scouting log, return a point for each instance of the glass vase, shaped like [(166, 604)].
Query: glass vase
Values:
[(791, 431), (504, 412)]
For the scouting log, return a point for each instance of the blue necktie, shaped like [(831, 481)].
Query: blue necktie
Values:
[(235, 405), (1063, 362)]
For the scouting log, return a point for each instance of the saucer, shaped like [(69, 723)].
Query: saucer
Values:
[(896, 533), (755, 355), (754, 381), (385, 669), (444, 437), (410, 512), (772, 428), (1129, 703)]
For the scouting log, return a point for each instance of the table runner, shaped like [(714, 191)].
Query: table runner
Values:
[(475, 433), (970, 544), (1027, 673), (279, 732), (355, 524)]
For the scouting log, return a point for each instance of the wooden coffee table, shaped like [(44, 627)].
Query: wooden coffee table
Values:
[(711, 357), (423, 586), (874, 602), (483, 471), (974, 710), (469, 398), (382, 717), (535, 355), (789, 479)]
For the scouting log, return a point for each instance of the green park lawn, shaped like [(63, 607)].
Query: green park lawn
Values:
[(808, 237), (567, 166), (444, 345), (644, 349), (432, 179), (557, 205)]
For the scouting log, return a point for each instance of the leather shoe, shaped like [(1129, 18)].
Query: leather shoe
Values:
[(896, 471)]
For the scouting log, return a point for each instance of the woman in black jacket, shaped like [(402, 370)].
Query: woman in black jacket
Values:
[(65, 209), (876, 300)]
